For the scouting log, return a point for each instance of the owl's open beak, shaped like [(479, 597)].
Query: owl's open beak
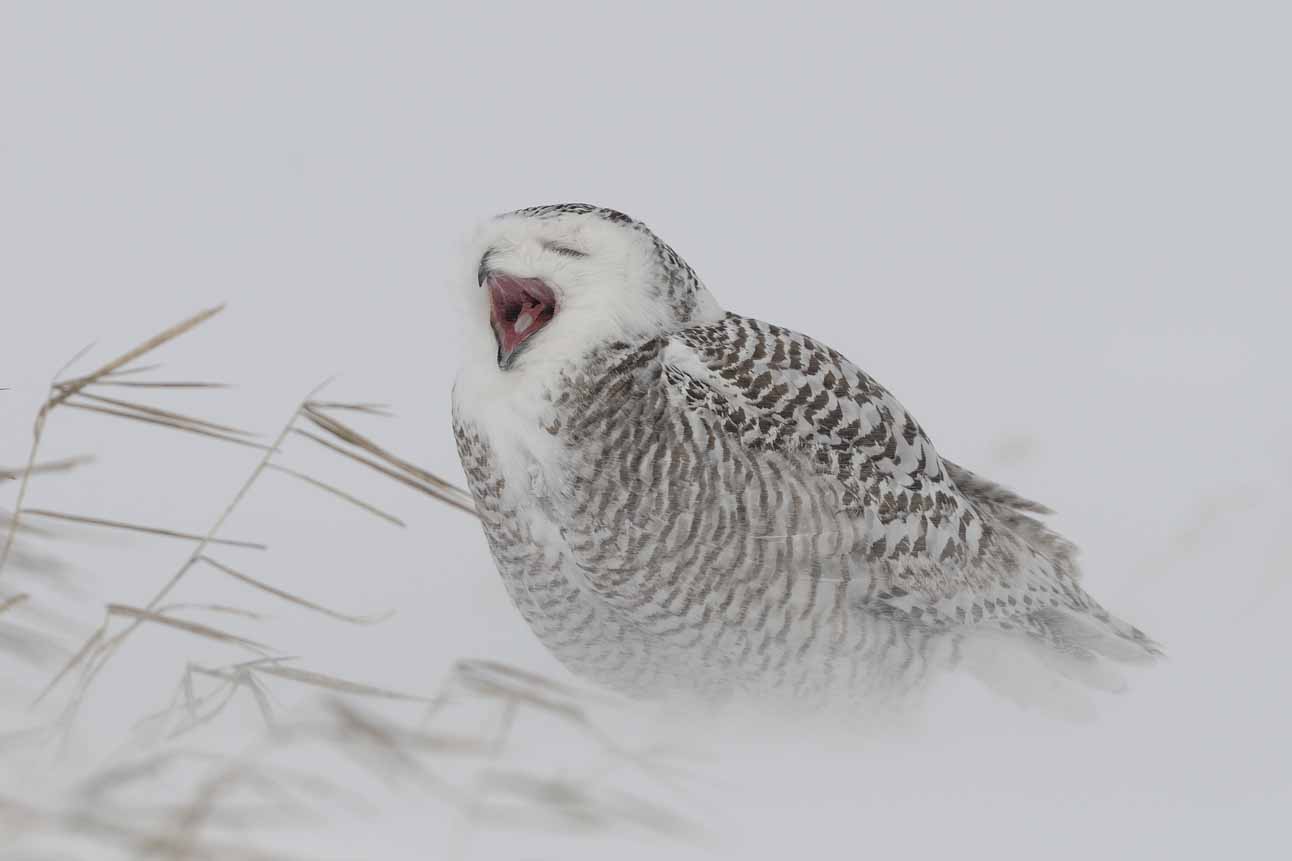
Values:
[(519, 308)]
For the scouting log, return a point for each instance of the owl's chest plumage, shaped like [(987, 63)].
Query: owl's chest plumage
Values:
[(650, 552), (522, 502)]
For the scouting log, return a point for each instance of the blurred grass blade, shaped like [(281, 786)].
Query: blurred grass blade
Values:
[(450, 492), (194, 628), (382, 410), (332, 683), (261, 697), (12, 601), (106, 651), (133, 527), (136, 384), (130, 372), (71, 387), (73, 662), (371, 509), (212, 608), (371, 464), (458, 500), (67, 463), (178, 418), (80, 354), (294, 599), (174, 425)]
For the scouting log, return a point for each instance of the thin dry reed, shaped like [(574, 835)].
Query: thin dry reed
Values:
[(231, 793)]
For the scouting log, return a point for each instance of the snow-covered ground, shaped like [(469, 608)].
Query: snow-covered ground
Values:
[(1080, 215)]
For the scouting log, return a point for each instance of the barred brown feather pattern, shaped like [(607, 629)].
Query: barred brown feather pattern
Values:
[(738, 508)]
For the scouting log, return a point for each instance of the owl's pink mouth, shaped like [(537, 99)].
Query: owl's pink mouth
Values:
[(519, 308)]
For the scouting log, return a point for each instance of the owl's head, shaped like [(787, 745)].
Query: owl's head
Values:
[(549, 285)]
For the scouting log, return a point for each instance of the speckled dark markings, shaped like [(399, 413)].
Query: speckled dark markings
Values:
[(745, 509)]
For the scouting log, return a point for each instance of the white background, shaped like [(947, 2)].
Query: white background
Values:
[(1058, 232)]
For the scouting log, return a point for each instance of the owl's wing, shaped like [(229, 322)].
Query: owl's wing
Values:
[(932, 542)]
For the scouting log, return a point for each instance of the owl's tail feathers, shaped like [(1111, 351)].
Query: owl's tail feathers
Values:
[(1076, 653), (1016, 670), (1097, 631)]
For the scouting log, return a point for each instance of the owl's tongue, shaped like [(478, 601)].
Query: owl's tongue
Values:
[(519, 308), (528, 315)]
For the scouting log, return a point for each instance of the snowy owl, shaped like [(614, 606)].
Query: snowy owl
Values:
[(682, 500)]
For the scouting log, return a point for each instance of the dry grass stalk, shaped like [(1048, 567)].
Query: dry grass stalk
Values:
[(30, 561), (160, 385), (404, 471), (64, 465), (60, 392), (211, 608), (577, 804), (236, 677), (383, 410), (221, 697), (70, 387), (385, 749), (148, 767), (190, 703), (294, 599), (113, 376), (512, 686), (86, 830), (165, 415), (87, 648), (157, 416), (262, 700), (332, 683), (105, 652), (412, 740), (350, 732), (190, 818), (371, 464), (12, 601), (194, 628), (375, 747), (391, 750), (336, 491), (166, 423), (134, 527), (515, 688)]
